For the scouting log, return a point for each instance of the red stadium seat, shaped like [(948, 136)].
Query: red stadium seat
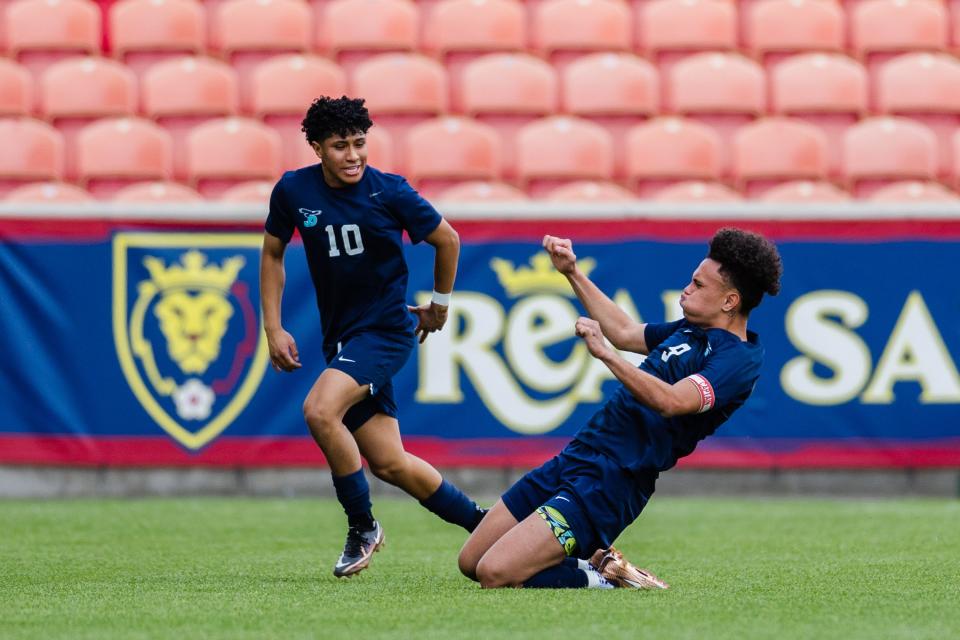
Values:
[(253, 191), (41, 32), (670, 30), (776, 150), (459, 31), (508, 91), (695, 191), (482, 191), (16, 89), (614, 91), (805, 191), (184, 92), (776, 28), (355, 30), (829, 91), (144, 32), (880, 29), (878, 151), (247, 32), (669, 150), (401, 90), (156, 192), (561, 149), (31, 151), (447, 150), (114, 152), (914, 191), (590, 191), (563, 30), (77, 91), (725, 91), (926, 88), (282, 89), (53, 192), (223, 152)]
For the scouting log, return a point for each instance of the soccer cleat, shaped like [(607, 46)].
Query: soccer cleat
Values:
[(621, 573), (358, 550)]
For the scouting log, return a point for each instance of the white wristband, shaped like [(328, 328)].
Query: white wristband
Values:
[(442, 299)]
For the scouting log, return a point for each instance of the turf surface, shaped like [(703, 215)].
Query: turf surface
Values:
[(239, 568)]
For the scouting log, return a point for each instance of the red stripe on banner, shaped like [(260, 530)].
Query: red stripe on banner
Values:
[(490, 453), (583, 230)]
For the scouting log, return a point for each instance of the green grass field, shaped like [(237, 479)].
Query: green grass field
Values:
[(240, 568)]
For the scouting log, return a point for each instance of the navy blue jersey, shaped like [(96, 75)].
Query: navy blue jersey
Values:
[(353, 237), (724, 370)]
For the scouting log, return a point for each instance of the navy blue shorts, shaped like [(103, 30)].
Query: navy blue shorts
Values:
[(371, 358), (597, 497)]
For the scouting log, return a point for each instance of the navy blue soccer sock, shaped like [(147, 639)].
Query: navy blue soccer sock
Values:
[(353, 492), (454, 506), (565, 575)]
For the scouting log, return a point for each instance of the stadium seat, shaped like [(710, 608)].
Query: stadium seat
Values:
[(184, 92), (614, 91), (247, 32), (880, 29), (778, 28), (459, 31), (881, 150), (924, 87), (482, 191), (724, 91), (444, 151), (667, 150), (41, 32), (54, 192), (671, 30), (77, 91), (508, 91), (156, 192), (563, 30), (257, 191), (144, 32), (353, 31), (31, 151), (282, 89), (827, 90), (114, 152), (401, 90), (776, 150), (695, 191), (805, 191), (226, 151), (560, 149), (16, 89), (590, 191), (914, 191)]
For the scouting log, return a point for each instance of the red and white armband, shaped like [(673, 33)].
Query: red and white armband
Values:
[(707, 397)]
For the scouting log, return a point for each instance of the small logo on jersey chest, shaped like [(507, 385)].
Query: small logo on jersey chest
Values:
[(310, 216)]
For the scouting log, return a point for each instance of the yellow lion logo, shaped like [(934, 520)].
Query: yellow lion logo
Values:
[(194, 326)]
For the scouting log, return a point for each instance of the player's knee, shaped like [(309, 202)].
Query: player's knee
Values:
[(492, 574), (468, 564), (319, 418), (392, 470)]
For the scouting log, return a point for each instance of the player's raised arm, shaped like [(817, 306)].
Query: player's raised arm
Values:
[(623, 332), (283, 348), (431, 317)]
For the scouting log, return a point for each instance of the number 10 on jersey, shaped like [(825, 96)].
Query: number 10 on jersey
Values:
[(352, 242)]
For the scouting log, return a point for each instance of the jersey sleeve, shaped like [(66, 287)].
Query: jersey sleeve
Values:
[(280, 220), (415, 214), (727, 375), (657, 332)]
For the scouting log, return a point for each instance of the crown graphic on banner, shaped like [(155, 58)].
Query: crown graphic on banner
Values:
[(539, 277), (192, 272)]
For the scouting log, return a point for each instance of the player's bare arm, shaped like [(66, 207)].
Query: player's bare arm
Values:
[(666, 399), (433, 315), (283, 349), (622, 331)]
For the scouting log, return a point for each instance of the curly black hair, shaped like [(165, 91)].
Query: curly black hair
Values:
[(341, 116), (750, 262)]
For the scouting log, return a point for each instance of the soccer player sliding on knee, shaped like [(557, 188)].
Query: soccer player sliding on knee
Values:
[(555, 526), (351, 218)]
